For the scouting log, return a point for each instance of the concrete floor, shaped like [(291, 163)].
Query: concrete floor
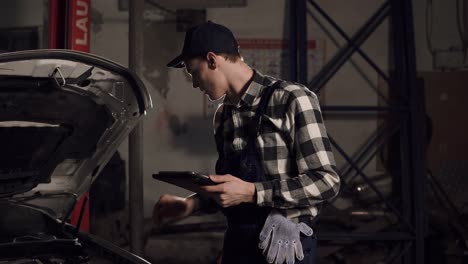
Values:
[(180, 245), (193, 248), (166, 247)]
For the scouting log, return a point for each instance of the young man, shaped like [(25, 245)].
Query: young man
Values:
[(275, 161)]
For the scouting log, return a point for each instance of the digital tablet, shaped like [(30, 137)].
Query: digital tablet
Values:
[(185, 179)]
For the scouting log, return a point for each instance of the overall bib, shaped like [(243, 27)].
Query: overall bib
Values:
[(246, 220)]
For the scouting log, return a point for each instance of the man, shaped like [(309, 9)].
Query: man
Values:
[(275, 161)]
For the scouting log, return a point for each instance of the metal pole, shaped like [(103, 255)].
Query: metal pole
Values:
[(346, 37), (292, 40), (362, 72), (369, 182), (367, 109), (413, 140), (418, 137), (301, 21), (344, 54), (383, 139), (136, 137)]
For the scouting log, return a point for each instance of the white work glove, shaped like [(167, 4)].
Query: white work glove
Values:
[(280, 239)]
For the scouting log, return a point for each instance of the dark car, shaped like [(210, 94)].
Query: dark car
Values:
[(62, 116)]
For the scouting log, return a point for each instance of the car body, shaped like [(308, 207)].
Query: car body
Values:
[(63, 114)]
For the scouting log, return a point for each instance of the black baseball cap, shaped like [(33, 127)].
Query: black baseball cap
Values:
[(203, 38)]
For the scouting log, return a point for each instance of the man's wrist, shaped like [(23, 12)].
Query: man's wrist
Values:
[(252, 193)]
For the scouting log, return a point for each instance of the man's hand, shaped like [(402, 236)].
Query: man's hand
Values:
[(171, 208), (230, 190)]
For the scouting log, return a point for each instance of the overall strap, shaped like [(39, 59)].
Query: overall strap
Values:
[(219, 139), (254, 126), (261, 108)]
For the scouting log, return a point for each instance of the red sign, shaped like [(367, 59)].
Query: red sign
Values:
[(79, 25), (78, 31)]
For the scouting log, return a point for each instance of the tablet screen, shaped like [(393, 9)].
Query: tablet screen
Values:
[(185, 179)]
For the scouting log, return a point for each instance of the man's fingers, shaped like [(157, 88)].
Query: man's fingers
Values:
[(165, 198), (213, 188), (218, 178)]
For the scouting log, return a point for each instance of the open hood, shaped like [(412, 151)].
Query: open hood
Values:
[(62, 116)]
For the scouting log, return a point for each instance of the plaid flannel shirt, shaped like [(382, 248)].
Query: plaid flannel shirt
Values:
[(298, 162)]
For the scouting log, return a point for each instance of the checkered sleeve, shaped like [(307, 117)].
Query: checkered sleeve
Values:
[(317, 179)]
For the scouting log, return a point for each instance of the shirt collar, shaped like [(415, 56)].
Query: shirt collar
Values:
[(259, 81)]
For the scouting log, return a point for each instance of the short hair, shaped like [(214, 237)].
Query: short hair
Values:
[(228, 56), (231, 57)]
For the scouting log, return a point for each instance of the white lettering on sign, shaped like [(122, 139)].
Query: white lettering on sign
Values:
[(81, 23), (84, 10)]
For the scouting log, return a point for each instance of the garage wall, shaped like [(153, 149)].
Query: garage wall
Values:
[(188, 137), (178, 132), (22, 13), (25, 14)]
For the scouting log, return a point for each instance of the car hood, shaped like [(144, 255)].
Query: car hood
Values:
[(62, 116)]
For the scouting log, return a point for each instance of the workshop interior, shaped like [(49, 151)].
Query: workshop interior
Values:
[(89, 111)]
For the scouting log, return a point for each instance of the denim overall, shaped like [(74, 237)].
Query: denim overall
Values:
[(246, 220)]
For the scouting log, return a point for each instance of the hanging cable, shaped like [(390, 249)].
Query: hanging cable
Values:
[(429, 26), (465, 19), (461, 25)]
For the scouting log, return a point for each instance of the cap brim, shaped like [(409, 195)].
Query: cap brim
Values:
[(178, 62)]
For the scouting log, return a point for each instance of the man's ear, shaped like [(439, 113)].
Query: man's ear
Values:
[(212, 59)]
